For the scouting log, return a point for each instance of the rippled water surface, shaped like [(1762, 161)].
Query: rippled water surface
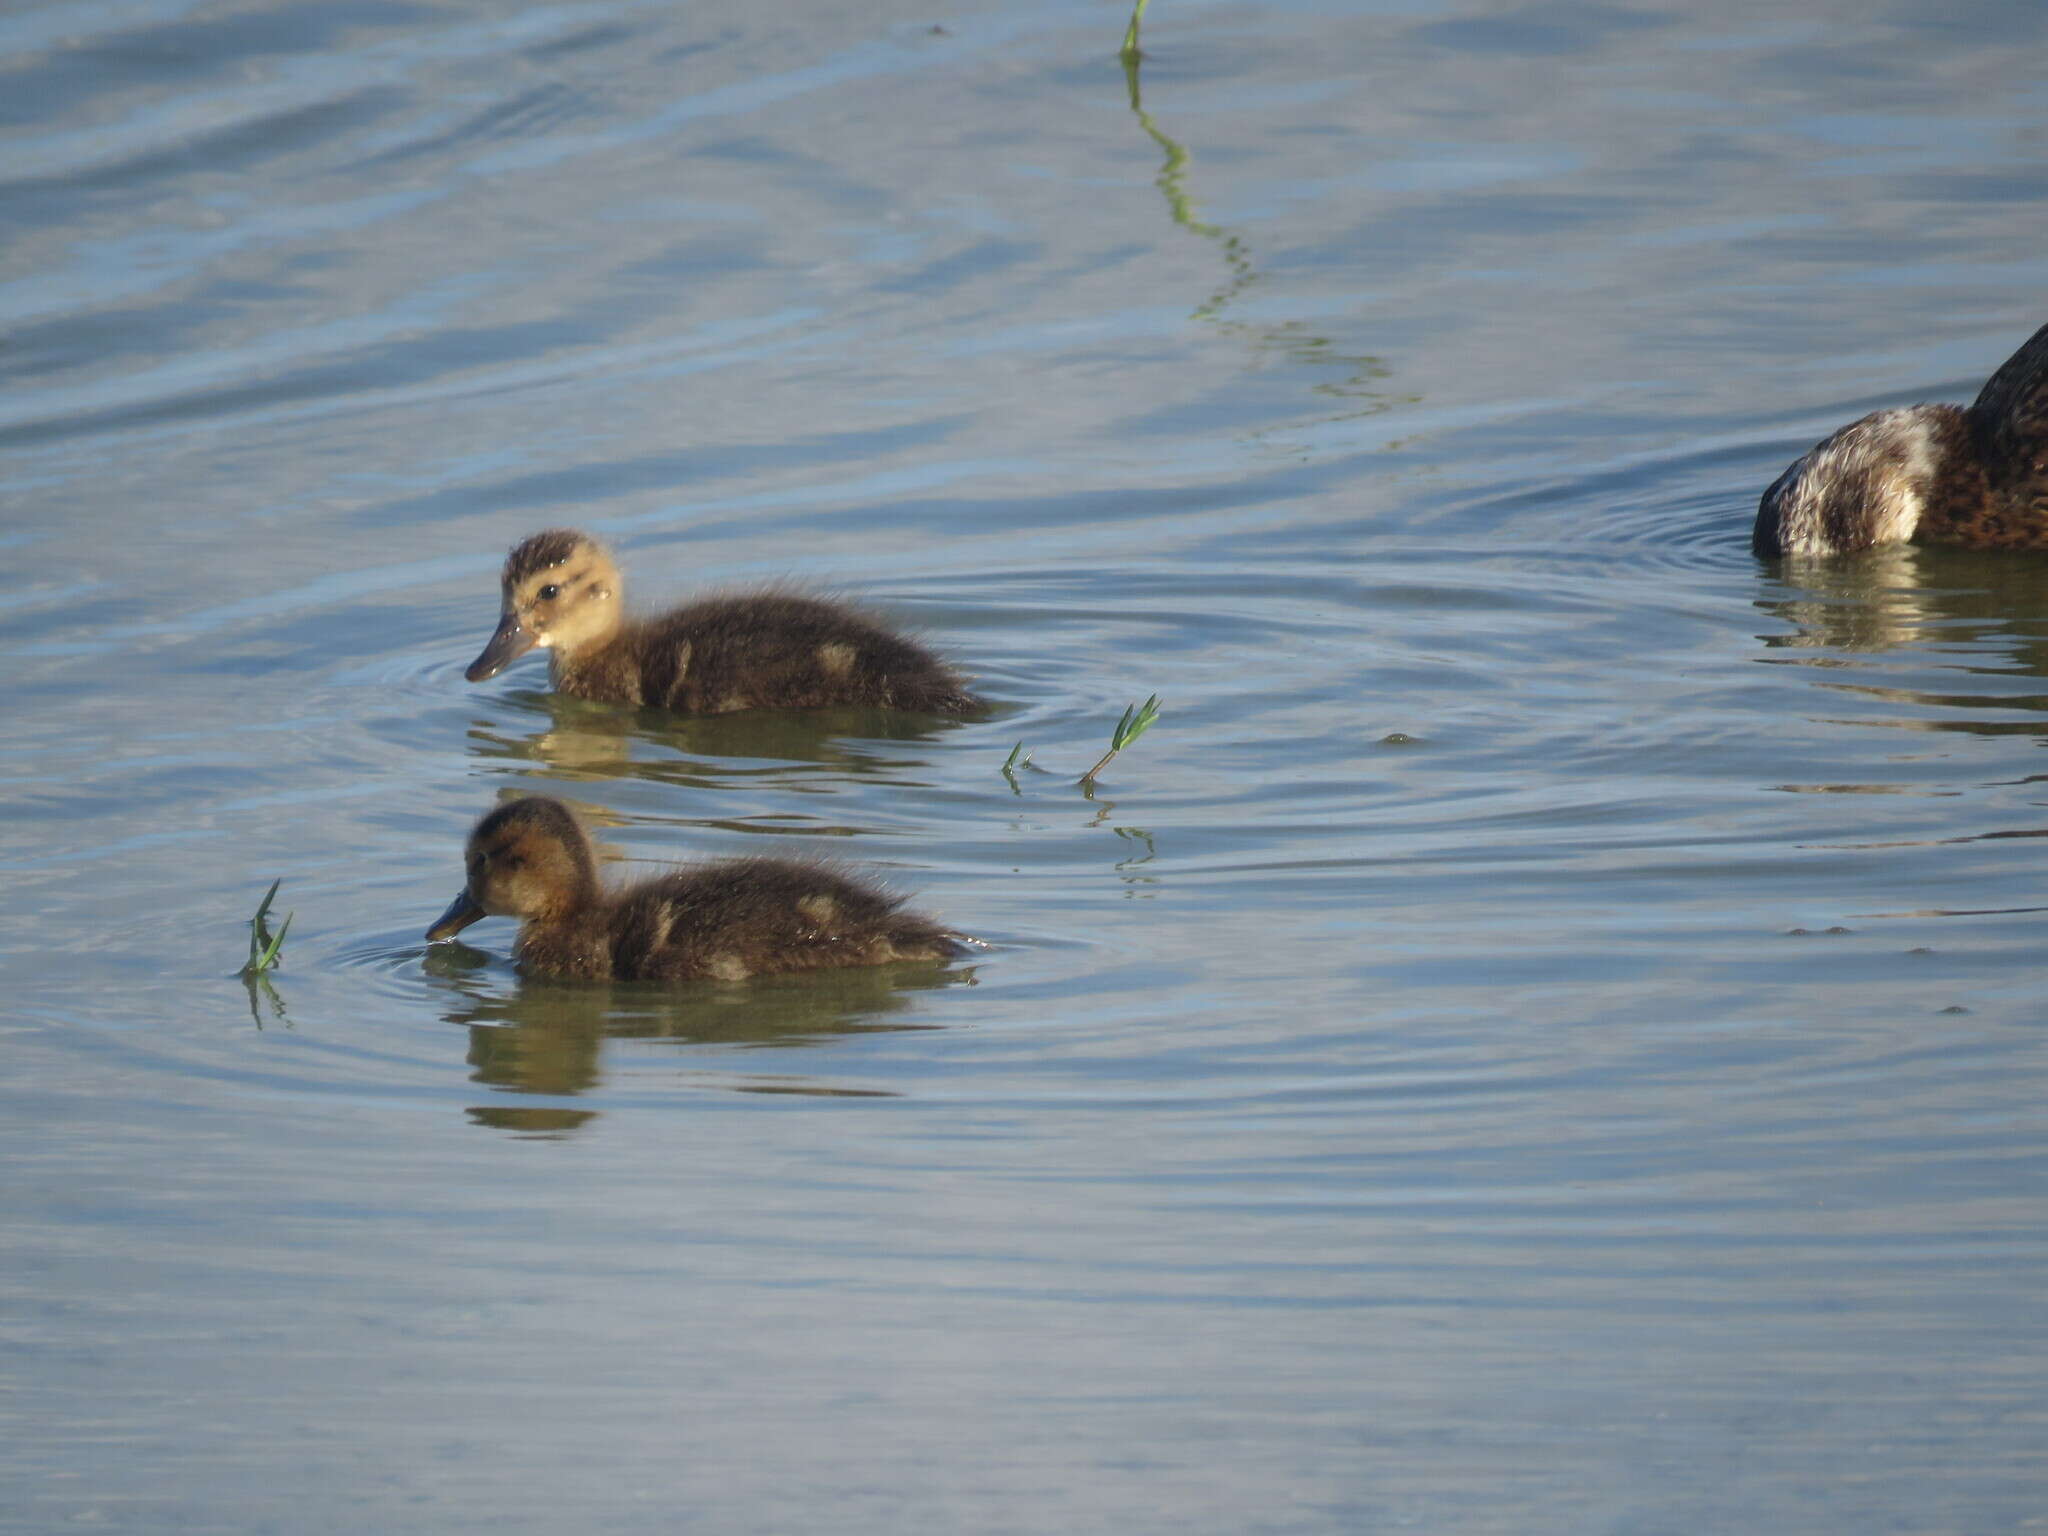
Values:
[(1544, 1035)]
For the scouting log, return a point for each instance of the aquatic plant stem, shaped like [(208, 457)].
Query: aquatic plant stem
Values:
[(1129, 51), (1137, 720)]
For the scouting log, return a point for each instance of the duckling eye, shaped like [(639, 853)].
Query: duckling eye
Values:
[(549, 593)]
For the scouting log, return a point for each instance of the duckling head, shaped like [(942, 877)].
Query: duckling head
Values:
[(527, 859), (1870, 483), (561, 592)]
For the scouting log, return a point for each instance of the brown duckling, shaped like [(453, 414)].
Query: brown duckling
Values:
[(748, 650), (1925, 474), (729, 920)]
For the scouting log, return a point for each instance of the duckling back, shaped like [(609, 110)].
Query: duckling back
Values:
[(764, 650), (731, 920)]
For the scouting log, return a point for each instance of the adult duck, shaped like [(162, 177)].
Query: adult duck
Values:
[(1925, 474)]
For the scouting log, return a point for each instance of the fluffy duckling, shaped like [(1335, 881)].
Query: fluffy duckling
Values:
[(1928, 474), (530, 859), (749, 650)]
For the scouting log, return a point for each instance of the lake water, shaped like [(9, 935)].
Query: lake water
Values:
[(1545, 1033)]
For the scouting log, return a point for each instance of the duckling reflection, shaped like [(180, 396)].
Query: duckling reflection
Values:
[(751, 650), (547, 1038), (585, 740), (1929, 474), (726, 921)]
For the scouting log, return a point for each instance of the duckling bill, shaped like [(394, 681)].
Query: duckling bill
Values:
[(1925, 474), (729, 920), (751, 650)]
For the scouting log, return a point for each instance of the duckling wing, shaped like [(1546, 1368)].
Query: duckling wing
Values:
[(750, 917), (2009, 422), (776, 649)]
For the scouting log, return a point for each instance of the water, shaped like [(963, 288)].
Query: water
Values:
[(1543, 1034)]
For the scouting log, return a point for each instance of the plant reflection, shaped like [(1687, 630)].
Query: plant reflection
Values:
[(547, 1038), (1140, 849), (1127, 868), (263, 998), (1290, 340), (1172, 184)]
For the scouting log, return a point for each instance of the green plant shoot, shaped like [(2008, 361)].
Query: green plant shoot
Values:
[(262, 948), (1137, 720), (1130, 47)]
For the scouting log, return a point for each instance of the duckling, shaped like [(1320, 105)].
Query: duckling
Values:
[(1928, 474), (748, 650), (729, 920)]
